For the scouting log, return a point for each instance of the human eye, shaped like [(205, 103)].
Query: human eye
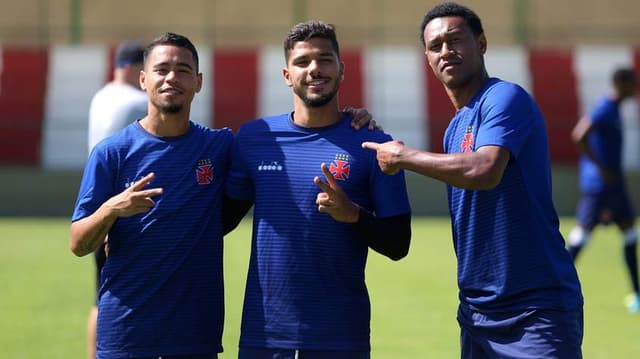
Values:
[(301, 62), (435, 46)]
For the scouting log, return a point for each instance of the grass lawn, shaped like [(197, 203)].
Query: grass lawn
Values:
[(46, 292)]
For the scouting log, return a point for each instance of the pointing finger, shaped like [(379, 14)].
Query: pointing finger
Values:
[(371, 145)]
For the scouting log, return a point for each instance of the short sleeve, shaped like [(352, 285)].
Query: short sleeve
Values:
[(239, 184), (389, 193), (508, 115), (97, 184)]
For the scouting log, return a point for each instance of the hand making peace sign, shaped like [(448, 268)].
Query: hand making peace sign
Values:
[(334, 200)]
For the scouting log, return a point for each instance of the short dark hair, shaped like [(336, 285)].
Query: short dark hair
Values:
[(305, 31), (169, 38), (452, 9), (623, 75)]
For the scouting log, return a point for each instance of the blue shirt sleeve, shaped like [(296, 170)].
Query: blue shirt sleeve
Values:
[(97, 184), (507, 118), (388, 193), (239, 184)]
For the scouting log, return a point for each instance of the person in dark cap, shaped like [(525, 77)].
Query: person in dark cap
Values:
[(113, 107)]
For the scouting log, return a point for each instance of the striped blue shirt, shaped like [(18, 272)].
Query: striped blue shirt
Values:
[(511, 255), (162, 284), (305, 286)]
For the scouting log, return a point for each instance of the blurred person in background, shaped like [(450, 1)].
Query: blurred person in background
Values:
[(519, 292), (320, 203), (161, 293), (119, 103), (604, 197)]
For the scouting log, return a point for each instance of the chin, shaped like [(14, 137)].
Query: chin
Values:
[(171, 108)]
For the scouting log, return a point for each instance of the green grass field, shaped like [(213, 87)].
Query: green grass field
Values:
[(46, 292)]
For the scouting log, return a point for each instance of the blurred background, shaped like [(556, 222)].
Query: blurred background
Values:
[(55, 54)]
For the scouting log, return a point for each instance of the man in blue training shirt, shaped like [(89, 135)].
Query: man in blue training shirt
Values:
[(604, 194), (306, 295), (162, 285), (519, 291)]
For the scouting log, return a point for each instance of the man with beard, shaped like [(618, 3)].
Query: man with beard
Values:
[(306, 295), (162, 286), (519, 292)]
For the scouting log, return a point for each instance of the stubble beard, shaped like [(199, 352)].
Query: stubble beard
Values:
[(316, 101), (170, 109)]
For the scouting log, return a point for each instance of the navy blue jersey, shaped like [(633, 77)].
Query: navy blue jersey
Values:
[(305, 286), (510, 252), (605, 141), (162, 284)]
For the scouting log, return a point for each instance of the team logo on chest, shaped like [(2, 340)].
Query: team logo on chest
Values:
[(204, 172), (340, 167), (467, 141)]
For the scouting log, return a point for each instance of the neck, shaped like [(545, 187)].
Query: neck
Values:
[(322, 116), (461, 96), (166, 125)]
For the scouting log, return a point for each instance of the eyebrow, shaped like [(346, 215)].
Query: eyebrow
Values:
[(305, 56), (446, 34), (179, 64)]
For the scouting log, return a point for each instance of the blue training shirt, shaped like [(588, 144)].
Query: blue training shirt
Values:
[(511, 255), (162, 284), (605, 141), (305, 286)]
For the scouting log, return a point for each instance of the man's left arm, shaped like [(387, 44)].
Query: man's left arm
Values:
[(389, 236)]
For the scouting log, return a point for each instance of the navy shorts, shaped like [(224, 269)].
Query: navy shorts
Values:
[(611, 205), (526, 334), (269, 353)]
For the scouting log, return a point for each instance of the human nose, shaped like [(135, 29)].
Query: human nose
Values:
[(171, 76), (314, 67), (445, 49)]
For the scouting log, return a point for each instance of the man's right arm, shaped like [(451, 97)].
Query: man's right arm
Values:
[(479, 170), (88, 233)]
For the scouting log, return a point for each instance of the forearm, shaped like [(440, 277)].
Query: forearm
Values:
[(471, 171), (390, 236), (89, 233)]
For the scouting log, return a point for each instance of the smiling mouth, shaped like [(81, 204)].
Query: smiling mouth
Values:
[(317, 83)]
